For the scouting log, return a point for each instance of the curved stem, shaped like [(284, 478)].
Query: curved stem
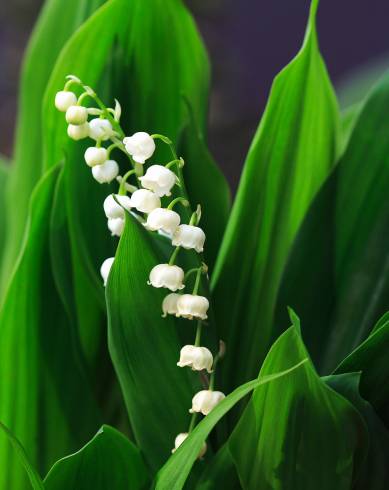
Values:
[(180, 199), (174, 256)]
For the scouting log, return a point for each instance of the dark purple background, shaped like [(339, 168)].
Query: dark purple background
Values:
[(249, 41)]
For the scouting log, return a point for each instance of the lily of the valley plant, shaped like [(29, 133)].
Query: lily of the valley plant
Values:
[(145, 338)]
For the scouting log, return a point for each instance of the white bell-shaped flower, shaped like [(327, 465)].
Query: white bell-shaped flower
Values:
[(78, 132), (100, 129), (114, 208), (188, 236), (116, 226), (140, 146), (167, 276), (145, 201), (205, 401), (159, 179), (169, 304), (106, 268), (64, 99), (77, 115), (181, 438), (95, 156), (106, 172), (192, 306), (197, 358), (163, 219)]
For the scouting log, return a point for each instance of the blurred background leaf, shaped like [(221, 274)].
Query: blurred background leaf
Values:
[(206, 186), (373, 472), (291, 155), (45, 398), (55, 25), (370, 358)]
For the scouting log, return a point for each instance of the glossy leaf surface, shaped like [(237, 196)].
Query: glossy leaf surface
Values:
[(291, 155)]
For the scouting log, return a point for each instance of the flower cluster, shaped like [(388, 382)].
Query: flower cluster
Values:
[(142, 197)]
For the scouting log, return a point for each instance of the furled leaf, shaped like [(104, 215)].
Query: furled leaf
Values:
[(206, 186), (297, 432), (43, 384), (343, 239), (371, 358), (291, 154), (33, 475), (54, 27), (145, 349), (174, 473), (373, 472), (108, 461)]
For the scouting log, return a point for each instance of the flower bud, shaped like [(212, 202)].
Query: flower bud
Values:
[(77, 115), (169, 304), (140, 146), (166, 276), (163, 219), (188, 236), (197, 358), (181, 438), (159, 180), (192, 306), (100, 129), (105, 269), (145, 201), (205, 401), (116, 226), (95, 156), (64, 99), (114, 208), (106, 172), (78, 132)]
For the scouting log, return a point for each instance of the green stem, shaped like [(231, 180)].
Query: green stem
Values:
[(174, 256), (198, 333), (192, 422), (190, 272), (180, 199), (122, 187), (173, 162), (197, 281)]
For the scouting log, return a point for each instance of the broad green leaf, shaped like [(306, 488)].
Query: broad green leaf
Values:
[(145, 349), (33, 475), (167, 64), (290, 156), (343, 239), (108, 461), (121, 52), (174, 473), (297, 432), (113, 18), (54, 27), (373, 472), (371, 358), (206, 186), (43, 385)]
